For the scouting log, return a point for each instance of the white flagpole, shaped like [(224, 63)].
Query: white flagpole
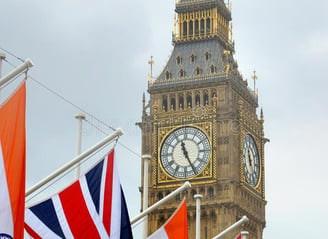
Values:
[(198, 197), (244, 234), (146, 158), (162, 201), (27, 63), (76, 160), (2, 57), (80, 117), (242, 221)]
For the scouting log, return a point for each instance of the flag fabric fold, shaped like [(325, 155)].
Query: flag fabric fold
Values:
[(175, 227), (92, 207), (12, 164)]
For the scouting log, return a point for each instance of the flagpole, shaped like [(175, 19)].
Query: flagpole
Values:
[(198, 197), (242, 221), (146, 158), (76, 160), (167, 198), (27, 64), (2, 57), (244, 234), (80, 117)]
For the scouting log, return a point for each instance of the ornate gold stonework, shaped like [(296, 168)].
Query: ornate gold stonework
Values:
[(162, 179), (201, 89)]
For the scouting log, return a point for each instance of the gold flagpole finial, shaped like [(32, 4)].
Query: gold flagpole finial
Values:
[(254, 77), (151, 63)]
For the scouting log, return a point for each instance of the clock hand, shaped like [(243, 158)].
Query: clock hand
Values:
[(186, 156), (249, 158)]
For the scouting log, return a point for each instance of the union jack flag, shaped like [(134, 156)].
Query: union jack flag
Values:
[(92, 207)]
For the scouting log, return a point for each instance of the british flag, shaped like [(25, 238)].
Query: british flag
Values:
[(92, 207)]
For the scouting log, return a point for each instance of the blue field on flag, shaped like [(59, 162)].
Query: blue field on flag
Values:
[(92, 207)]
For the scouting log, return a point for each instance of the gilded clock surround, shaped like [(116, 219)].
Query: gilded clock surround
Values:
[(202, 118), (162, 177)]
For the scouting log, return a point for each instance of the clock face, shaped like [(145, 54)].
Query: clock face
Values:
[(251, 161), (185, 152)]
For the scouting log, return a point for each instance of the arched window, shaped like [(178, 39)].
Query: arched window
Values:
[(213, 69), (192, 58), (205, 98), (202, 27), (168, 75), (179, 60), (189, 101), (191, 28), (172, 103), (197, 99), (207, 56), (208, 26), (198, 70), (181, 73), (184, 30), (164, 104), (181, 102), (197, 27)]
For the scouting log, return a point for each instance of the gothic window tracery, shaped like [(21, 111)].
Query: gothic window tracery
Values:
[(189, 101), (198, 70), (164, 104), (205, 98), (196, 27), (207, 56), (192, 58), (184, 30), (179, 60), (168, 75), (202, 27), (181, 73), (213, 69), (181, 102), (172, 103), (197, 99), (208, 26), (191, 28)]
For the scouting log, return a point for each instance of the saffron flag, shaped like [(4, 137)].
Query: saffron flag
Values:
[(92, 207), (12, 165), (175, 227)]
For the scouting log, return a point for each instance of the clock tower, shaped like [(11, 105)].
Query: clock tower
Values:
[(201, 125)]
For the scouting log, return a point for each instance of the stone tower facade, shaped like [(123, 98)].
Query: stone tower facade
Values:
[(201, 125)]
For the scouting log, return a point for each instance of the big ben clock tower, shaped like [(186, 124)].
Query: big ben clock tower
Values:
[(201, 125)]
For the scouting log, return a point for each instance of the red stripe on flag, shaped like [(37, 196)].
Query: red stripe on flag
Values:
[(12, 137), (177, 225), (108, 192), (77, 214), (32, 232)]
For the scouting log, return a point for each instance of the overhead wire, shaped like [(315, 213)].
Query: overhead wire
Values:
[(75, 106), (72, 104)]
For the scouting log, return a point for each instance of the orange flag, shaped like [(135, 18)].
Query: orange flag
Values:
[(175, 227), (12, 165)]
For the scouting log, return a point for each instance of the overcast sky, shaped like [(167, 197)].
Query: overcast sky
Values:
[(95, 54)]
